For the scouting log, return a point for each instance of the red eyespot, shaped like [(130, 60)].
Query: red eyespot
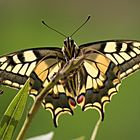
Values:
[(72, 102), (80, 99)]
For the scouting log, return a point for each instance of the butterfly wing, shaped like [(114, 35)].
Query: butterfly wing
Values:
[(99, 79), (59, 99), (40, 64), (16, 67), (124, 53)]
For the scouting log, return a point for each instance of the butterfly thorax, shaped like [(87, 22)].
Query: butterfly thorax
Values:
[(70, 49)]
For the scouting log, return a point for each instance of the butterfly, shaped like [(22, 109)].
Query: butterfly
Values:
[(91, 85)]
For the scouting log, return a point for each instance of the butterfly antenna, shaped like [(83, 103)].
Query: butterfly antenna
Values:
[(80, 26), (43, 22)]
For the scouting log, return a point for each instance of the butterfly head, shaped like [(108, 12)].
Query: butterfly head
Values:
[(70, 49)]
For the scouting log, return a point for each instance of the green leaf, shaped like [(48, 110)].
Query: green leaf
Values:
[(13, 113)]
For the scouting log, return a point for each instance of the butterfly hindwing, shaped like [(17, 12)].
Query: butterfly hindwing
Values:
[(99, 80), (16, 67), (59, 104), (59, 100), (124, 53)]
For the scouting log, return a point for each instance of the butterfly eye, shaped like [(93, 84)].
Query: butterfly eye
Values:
[(72, 102)]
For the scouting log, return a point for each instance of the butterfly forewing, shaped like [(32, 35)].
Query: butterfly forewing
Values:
[(124, 53), (16, 67)]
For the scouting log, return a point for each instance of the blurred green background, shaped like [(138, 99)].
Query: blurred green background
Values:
[(20, 28)]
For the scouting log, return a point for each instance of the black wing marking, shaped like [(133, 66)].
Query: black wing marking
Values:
[(59, 99), (124, 53), (16, 67), (99, 81)]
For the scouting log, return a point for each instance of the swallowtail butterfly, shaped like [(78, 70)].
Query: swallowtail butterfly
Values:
[(91, 86)]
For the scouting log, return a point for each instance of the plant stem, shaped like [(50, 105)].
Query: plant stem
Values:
[(35, 107), (95, 130), (73, 64)]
